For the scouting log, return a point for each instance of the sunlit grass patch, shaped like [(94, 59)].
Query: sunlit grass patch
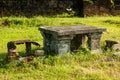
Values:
[(81, 65)]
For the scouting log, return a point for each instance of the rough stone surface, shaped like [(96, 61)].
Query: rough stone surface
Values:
[(94, 41), (12, 55), (116, 47), (71, 30), (38, 53), (60, 40)]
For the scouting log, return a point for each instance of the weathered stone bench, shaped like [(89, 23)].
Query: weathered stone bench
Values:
[(12, 52), (110, 43), (60, 40), (12, 44)]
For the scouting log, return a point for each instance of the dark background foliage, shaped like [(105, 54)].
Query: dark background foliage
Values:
[(52, 7)]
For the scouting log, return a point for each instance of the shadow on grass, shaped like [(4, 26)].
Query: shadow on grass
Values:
[(3, 60), (115, 22)]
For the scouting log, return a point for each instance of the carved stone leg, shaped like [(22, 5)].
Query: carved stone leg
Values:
[(94, 42), (77, 41), (62, 47), (56, 45), (28, 47), (46, 43), (60, 44), (47, 38)]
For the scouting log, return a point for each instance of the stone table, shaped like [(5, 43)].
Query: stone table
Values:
[(64, 39)]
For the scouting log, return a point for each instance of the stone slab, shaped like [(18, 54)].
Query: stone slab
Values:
[(71, 30), (64, 39)]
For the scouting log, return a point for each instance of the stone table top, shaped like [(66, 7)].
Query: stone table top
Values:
[(68, 30)]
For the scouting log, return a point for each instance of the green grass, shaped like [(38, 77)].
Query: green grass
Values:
[(77, 66)]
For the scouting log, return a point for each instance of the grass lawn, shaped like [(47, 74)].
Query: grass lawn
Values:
[(78, 66)]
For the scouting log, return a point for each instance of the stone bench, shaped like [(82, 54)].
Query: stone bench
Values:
[(64, 39), (110, 43), (12, 52)]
